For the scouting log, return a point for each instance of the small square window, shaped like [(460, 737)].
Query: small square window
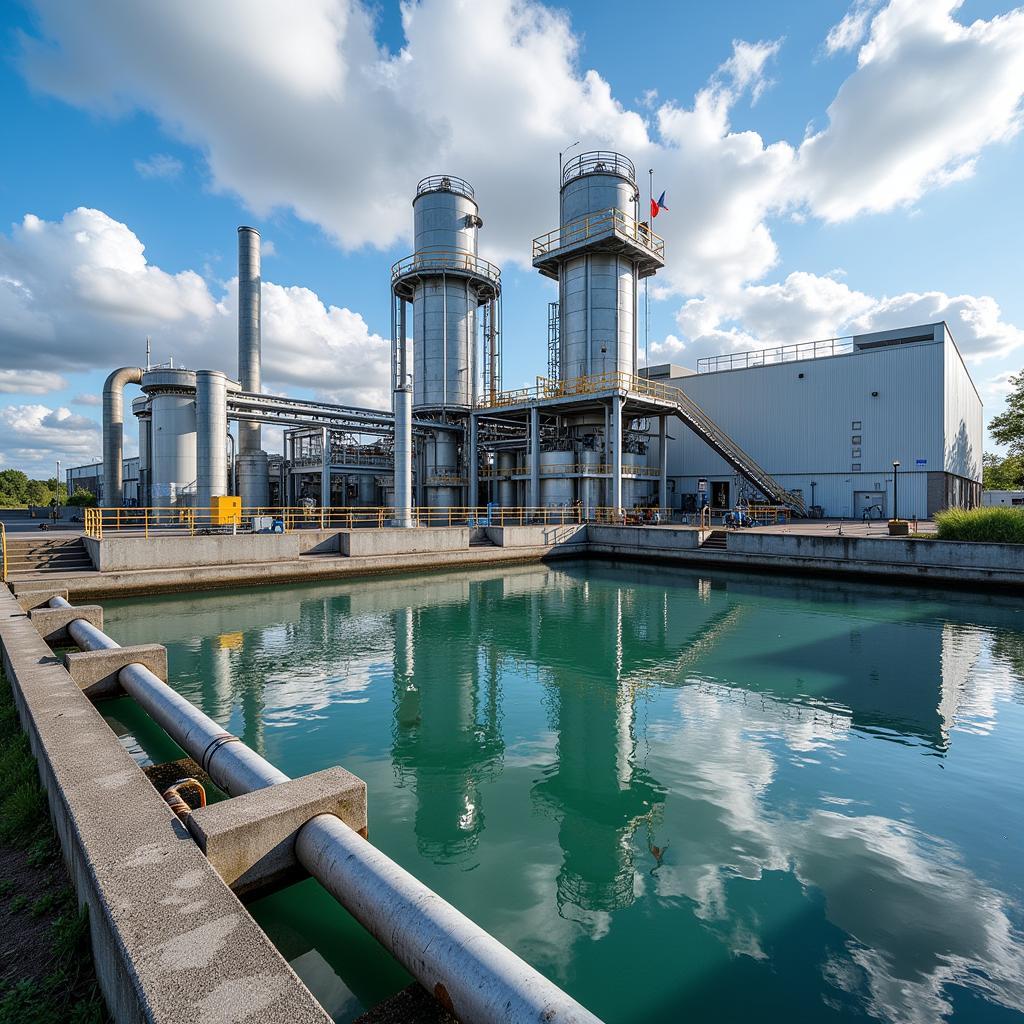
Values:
[(855, 439), (855, 468), (856, 453), (855, 425)]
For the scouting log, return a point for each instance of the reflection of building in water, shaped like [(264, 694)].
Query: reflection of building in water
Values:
[(598, 788), (447, 735)]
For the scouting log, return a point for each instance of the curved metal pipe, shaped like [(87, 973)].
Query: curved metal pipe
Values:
[(465, 967), (113, 433)]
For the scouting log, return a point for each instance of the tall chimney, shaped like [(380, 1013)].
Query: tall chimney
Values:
[(253, 484), (249, 435)]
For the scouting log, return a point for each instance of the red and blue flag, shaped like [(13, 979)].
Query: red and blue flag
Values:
[(657, 205)]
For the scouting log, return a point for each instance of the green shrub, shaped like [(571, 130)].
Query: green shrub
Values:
[(995, 525)]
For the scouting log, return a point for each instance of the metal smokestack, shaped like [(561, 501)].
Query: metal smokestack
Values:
[(249, 438), (253, 484)]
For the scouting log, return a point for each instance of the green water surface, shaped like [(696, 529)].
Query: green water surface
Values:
[(682, 796)]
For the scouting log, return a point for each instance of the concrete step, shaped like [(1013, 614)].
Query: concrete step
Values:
[(715, 541)]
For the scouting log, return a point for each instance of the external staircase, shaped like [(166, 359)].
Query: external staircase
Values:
[(31, 555), (716, 438), (715, 541)]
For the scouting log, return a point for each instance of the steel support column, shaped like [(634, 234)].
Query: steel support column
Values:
[(616, 450), (325, 468), (534, 498), (474, 462), (663, 501)]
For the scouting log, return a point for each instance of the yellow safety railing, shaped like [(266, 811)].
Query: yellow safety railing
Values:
[(3, 552), (577, 469), (594, 225), (590, 384), (183, 521)]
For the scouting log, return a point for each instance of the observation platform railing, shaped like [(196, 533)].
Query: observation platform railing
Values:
[(578, 469), (438, 261), (781, 354), (599, 225)]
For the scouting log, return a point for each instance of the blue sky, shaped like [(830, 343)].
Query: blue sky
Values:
[(829, 167)]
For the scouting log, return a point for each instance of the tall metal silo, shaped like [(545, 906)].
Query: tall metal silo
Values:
[(598, 255), (446, 283), (172, 403)]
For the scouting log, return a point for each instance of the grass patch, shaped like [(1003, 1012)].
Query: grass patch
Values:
[(46, 969), (994, 525)]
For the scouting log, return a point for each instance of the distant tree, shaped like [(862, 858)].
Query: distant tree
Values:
[(82, 498), (57, 490), (38, 493), (1008, 427), (1002, 474), (13, 487)]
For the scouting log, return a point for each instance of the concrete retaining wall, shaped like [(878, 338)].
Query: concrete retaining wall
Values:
[(318, 542), (393, 541), (911, 552), (535, 536), (171, 942), (642, 539), (119, 554)]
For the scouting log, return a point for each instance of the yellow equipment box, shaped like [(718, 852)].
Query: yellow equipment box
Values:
[(226, 511)]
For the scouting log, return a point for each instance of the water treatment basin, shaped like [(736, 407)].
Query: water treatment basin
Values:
[(684, 796)]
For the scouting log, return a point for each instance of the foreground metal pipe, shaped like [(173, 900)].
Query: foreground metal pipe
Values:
[(465, 967), (113, 433)]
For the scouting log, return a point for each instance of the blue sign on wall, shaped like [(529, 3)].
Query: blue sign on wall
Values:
[(921, 462)]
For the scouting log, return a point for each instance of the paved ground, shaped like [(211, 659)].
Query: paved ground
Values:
[(17, 521), (849, 527)]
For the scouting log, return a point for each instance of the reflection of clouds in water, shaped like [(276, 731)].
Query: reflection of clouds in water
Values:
[(916, 918)]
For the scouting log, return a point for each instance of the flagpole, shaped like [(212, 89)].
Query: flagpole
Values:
[(647, 280)]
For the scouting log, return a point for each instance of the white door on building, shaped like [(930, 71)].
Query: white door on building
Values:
[(870, 502)]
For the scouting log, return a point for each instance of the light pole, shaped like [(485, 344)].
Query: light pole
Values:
[(895, 490), (562, 154)]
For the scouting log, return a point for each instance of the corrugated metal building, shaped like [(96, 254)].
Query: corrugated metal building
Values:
[(90, 478), (828, 419)]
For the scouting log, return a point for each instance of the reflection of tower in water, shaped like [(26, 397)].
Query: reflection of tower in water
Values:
[(447, 736), (598, 788)]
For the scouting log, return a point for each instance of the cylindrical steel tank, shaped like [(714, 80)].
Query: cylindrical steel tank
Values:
[(557, 491), (172, 402), (444, 354), (442, 467), (254, 479), (506, 486), (141, 409), (590, 487), (366, 484), (211, 435), (446, 295), (597, 289)]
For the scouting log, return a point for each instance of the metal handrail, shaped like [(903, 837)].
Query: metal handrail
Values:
[(456, 260), (593, 225), (598, 161), (801, 350), (3, 552), (445, 183)]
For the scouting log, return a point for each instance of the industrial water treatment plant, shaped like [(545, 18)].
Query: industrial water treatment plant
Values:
[(814, 428)]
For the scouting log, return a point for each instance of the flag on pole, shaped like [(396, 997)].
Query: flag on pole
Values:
[(657, 205)]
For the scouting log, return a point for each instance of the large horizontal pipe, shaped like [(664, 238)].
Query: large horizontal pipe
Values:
[(464, 966), (293, 413)]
